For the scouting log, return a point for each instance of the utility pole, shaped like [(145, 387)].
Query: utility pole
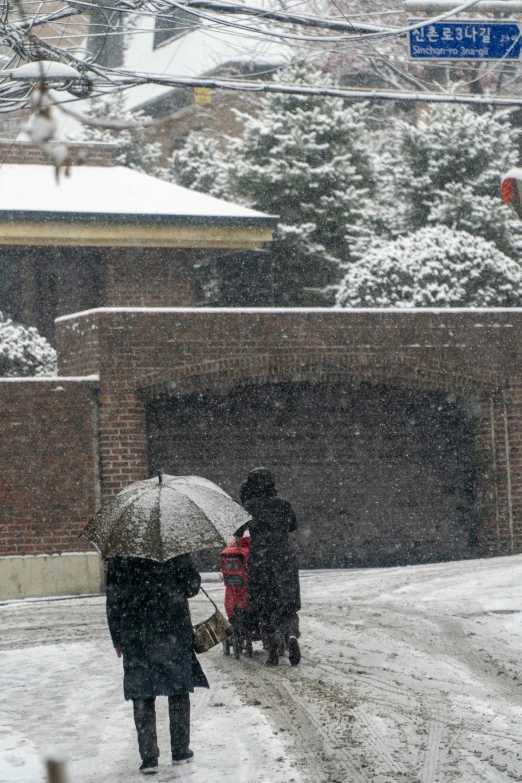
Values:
[(55, 771)]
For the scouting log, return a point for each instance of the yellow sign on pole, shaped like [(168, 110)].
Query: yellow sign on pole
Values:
[(203, 96)]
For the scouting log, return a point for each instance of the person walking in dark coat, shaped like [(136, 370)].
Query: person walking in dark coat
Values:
[(273, 576), (150, 625)]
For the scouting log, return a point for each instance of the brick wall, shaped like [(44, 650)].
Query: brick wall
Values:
[(150, 277), (47, 283), (123, 441), (49, 474), (88, 153), (159, 354), (150, 357), (213, 341)]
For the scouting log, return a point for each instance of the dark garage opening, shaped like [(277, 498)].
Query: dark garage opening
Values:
[(378, 475)]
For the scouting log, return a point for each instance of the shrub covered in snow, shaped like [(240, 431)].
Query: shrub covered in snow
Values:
[(446, 170), (433, 267), (23, 351)]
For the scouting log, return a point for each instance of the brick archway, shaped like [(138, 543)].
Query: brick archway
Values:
[(142, 355), (337, 367), (427, 373)]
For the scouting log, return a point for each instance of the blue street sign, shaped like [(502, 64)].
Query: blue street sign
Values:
[(467, 39)]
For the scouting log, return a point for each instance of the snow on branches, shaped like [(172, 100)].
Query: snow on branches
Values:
[(23, 351), (433, 267), (303, 158), (135, 149), (446, 170), (343, 190)]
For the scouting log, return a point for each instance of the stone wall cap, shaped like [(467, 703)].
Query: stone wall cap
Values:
[(98, 153), (50, 379), (337, 311)]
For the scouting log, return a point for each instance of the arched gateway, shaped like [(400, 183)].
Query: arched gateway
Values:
[(376, 453), (378, 474), (395, 433)]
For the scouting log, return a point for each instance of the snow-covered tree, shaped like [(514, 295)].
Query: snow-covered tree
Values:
[(198, 165), (446, 170), (23, 351), (305, 159), (135, 149), (433, 267)]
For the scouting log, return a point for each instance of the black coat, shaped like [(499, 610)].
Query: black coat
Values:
[(273, 576), (149, 618)]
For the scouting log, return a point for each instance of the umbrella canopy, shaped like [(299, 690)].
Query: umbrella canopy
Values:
[(164, 517)]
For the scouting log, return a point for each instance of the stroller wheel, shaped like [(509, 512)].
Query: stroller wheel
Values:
[(236, 644)]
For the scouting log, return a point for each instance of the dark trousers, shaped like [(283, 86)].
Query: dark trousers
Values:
[(145, 720), (277, 627)]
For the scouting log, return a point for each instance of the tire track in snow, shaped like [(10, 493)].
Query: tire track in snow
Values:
[(334, 749), (499, 683), (300, 688), (378, 744), (397, 705), (431, 766), (317, 755), (400, 699)]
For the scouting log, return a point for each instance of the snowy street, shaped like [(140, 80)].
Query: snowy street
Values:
[(409, 675)]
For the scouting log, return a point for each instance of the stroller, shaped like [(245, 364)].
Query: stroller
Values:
[(234, 567)]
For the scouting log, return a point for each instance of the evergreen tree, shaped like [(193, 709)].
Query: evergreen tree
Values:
[(446, 170), (305, 159), (135, 150), (433, 267), (198, 165), (23, 351)]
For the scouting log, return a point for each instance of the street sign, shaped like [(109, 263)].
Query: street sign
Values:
[(203, 96), (467, 39)]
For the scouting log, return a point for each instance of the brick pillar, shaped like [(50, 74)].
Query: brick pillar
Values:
[(492, 510), (512, 415), (123, 441), (499, 472)]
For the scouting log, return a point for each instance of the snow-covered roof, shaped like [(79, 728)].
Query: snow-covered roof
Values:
[(198, 52), (112, 195)]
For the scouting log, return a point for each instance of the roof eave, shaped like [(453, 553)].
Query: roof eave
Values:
[(191, 221)]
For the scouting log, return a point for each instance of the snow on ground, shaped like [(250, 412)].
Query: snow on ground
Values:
[(409, 675)]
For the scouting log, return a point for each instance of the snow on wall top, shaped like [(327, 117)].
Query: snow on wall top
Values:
[(49, 379), (515, 311), (98, 190)]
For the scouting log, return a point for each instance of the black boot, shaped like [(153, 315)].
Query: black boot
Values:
[(149, 766), (183, 758), (294, 653)]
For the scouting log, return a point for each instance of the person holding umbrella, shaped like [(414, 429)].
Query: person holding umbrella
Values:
[(146, 533), (150, 626), (273, 577)]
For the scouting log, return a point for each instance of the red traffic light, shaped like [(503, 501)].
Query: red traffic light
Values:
[(511, 189)]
